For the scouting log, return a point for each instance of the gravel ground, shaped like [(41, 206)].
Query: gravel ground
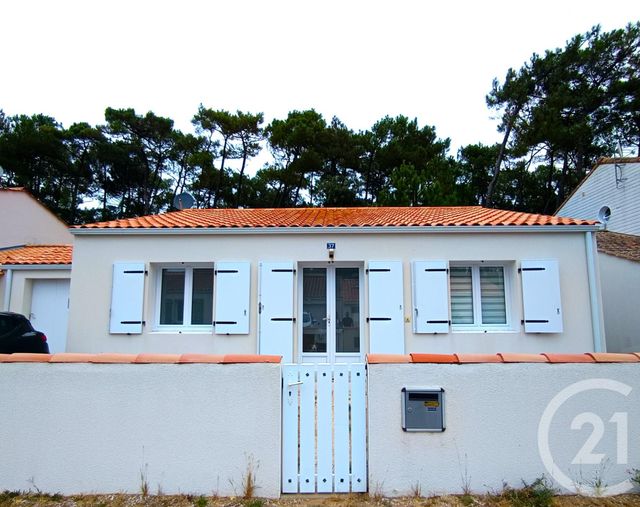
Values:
[(10, 499)]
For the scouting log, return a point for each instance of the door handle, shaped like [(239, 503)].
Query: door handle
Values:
[(298, 383)]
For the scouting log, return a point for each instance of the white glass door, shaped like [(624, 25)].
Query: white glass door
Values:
[(331, 324)]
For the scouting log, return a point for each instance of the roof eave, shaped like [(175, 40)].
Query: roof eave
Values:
[(444, 229)]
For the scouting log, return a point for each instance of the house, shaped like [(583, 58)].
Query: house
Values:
[(332, 284), (25, 221), (35, 264), (610, 193)]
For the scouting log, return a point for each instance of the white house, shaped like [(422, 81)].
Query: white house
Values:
[(25, 221), (332, 284), (610, 193), (35, 264)]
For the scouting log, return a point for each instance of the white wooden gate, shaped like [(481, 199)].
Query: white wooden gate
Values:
[(324, 438)]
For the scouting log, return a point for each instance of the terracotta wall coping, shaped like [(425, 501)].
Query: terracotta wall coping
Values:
[(105, 358), (506, 357), (147, 358)]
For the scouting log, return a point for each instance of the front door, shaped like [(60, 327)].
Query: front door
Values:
[(330, 329)]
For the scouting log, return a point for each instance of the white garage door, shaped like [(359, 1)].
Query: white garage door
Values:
[(49, 311)]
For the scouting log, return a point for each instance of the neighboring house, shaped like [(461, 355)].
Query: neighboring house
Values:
[(24, 221), (35, 264), (36, 282), (619, 258), (610, 193), (332, 284)]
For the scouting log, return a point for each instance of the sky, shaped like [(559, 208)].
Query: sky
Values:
[(357, 60)]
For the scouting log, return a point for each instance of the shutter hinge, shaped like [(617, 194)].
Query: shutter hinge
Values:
[(520, 270)]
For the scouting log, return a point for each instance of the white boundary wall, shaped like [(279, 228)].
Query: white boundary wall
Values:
[(95, 428), (492, 414)]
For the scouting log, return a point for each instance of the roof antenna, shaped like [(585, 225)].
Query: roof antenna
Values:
[(618, 167)]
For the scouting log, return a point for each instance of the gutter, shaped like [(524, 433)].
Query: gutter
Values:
[(597, 325), (36, 267), (445, 229), (8, 283)]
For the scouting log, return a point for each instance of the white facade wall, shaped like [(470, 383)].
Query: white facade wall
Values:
[(493, 414), (620, 279), (94, 256), (600, 189), (23, 220), (89, 428)]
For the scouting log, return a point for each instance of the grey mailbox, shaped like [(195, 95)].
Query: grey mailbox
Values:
[(423, 409)]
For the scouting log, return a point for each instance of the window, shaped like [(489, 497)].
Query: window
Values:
[(478, 296), (186, 296)]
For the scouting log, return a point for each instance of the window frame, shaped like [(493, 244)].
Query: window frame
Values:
[(476, 294), (188, 298)]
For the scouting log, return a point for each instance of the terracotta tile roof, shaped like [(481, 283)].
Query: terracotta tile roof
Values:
[(625, 246), (336, 217), (37, 254)]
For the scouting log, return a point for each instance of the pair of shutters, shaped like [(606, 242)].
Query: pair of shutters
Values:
[(232, 291), (540, 296)]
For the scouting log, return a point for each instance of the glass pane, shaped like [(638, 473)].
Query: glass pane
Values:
[(461, 295), (347, 310), (494, 310), (202, 297), (172, 297), (314, 310)]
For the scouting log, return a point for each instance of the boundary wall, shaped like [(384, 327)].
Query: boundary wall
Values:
[(509, 418), (73, 426), (196, 424)]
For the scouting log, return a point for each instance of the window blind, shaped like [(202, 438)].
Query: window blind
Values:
[(461, 287), (494, 310)]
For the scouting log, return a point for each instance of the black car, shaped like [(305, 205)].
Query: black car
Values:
[(17, 335)]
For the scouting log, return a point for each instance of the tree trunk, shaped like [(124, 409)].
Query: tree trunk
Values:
[(220, 173), (488, 202)]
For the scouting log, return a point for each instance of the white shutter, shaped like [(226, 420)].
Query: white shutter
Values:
[(233, 283), (430, 297), (127, 294), (541, 296), (275, 308), (386, 314)]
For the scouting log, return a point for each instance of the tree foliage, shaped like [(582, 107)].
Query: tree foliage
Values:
[(557, 114)]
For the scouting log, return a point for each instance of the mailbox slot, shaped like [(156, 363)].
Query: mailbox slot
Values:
[(423, 409)]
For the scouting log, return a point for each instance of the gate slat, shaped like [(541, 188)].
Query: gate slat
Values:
[(358, 429), (307, 429), (289, 429), (341, 426), (325, 425)]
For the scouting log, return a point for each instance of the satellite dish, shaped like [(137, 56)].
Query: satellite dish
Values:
[(604, 214), (183, 201)]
